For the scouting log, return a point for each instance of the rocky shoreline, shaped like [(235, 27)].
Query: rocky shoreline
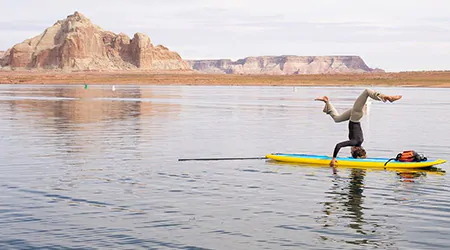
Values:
[(403, 79)]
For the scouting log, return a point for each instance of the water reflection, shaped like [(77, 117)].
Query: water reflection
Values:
[(78, 123), (78, 105), (346, 210), (347, 198), (100, 166), (415, 175), (355, 198), (346, 218)]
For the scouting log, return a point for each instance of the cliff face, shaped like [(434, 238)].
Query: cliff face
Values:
[(76, 44), (284, 65)]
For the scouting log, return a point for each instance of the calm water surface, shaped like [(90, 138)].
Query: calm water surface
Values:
[(97, 169)]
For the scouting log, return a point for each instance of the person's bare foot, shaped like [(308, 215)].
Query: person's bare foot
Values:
[(393, 98), (323, 99)]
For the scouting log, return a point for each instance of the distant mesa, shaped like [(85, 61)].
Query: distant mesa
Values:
[(76, 44), (284, 65)]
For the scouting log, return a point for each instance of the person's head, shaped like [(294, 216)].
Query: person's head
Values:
[(358, 152)]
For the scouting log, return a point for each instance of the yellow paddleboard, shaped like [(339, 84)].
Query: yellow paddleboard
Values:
[(352, 162)]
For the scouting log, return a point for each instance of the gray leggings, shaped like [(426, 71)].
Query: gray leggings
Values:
[(355, 113)]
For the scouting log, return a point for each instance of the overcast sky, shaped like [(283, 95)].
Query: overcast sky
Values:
[(395, 35)]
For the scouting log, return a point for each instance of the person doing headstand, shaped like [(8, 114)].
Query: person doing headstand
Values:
[(353, 115)]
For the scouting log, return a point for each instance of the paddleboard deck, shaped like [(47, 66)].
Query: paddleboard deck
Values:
[(352, 162)]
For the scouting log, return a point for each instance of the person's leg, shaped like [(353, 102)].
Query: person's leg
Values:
[(345, 116), (358, 106), (330, 110)]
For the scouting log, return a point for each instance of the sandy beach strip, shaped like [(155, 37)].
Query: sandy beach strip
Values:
[(403, 79)]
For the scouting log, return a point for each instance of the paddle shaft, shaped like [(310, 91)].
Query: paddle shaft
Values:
[(223, 159)]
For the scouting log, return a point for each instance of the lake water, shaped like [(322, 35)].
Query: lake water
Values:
[(98, 169)]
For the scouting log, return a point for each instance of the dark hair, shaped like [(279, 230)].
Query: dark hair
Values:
[(359, 152)]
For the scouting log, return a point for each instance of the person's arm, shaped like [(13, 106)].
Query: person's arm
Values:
[(338, 147), (343, 144)]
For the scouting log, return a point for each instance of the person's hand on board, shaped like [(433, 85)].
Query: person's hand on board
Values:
[(333, 165)]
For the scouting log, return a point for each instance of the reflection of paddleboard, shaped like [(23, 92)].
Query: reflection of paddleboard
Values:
[(352, 162)]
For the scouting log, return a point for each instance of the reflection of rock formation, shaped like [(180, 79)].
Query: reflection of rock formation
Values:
[(284, 65), (94, 105), (76, 44), (91, 121)]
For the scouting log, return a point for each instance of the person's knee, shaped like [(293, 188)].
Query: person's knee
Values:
[(338, 119), (356, 117)]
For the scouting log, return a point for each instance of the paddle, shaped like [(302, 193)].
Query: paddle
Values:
[(223, 159)]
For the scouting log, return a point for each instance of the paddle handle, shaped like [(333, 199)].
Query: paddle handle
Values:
[(223, 159)]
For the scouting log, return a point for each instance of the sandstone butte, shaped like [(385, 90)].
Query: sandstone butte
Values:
[(284, 65), (75, 43), (75, 51)]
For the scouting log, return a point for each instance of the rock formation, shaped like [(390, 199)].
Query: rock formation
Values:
[(284, 65), (76, 44)]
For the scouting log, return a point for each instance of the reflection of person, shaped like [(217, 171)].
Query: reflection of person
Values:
[(349, 201), (355, 197), (353, 115)]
